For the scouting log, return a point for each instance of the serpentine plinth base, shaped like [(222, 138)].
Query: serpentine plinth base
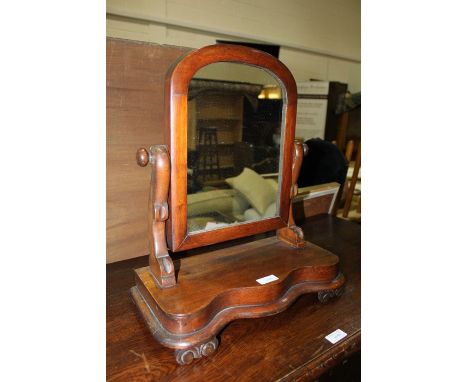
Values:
[(221, 286)]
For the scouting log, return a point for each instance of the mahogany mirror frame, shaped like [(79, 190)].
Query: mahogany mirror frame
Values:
[(176, 125)]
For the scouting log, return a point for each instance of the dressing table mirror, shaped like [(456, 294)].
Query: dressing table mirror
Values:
[(228, 169)]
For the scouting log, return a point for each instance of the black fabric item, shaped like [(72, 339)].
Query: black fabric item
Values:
[(323, 164)]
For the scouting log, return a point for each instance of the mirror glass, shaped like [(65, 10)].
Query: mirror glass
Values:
[(235, 114)]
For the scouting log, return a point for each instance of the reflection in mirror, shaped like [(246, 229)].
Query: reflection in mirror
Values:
[(234, 144)]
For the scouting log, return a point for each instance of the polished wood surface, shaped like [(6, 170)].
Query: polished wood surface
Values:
[(315, 200), (314, 206), (135, 105), (185, 308), (161, 267), (142, 157), (218, 287), (290, 345), (176, 122), (292, 234), (238, 267)]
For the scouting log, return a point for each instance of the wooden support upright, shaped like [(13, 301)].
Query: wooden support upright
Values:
[(161, 264)]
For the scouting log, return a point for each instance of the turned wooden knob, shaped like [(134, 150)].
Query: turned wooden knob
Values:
[(142, 157)]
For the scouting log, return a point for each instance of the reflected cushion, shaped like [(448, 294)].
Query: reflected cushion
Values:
[(273, 183), (251, 214), (230, 202), (259, 192), (270, 211)]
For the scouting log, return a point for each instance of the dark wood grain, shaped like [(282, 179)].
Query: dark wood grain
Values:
[(287, 346)]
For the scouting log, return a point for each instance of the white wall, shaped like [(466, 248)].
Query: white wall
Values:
[(319, 39)]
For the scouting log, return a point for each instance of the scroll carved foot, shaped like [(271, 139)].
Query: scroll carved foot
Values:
[(325, 296), (298, 231), (292, 235), (186, 356)]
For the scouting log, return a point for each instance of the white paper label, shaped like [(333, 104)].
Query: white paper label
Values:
[(337, 335), (267, 279)]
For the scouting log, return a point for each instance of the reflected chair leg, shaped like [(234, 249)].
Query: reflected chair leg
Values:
[(349, 196)]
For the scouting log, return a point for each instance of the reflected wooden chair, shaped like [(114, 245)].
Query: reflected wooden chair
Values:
[(348, 153), (352, 184), (209, 153)]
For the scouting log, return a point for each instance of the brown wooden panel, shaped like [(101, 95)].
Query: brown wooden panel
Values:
[(135, 94), (311, 207)]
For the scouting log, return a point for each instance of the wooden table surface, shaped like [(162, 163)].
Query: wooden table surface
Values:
[(288, 346)]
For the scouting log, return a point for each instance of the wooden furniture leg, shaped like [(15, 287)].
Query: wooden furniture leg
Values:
[(186, 356), (349, 150), (325, 296), (344, 187), (352, 186), (342, 128)]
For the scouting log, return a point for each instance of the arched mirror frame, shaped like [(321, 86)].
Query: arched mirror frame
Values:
[(176, 125)]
